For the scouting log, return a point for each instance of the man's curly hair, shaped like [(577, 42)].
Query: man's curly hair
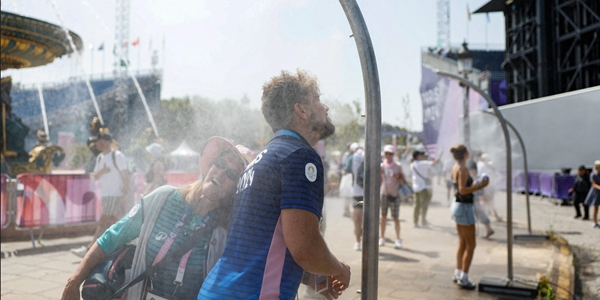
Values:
[(282, 92)]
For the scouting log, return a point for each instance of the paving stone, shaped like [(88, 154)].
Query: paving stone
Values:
[(17, 269), (30, 286), (8, 277), (23, 296), (421, 270)]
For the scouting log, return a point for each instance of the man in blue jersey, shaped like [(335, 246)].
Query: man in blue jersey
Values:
[(274, 233)]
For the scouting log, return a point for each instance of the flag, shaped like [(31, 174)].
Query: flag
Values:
[(468, 13), (136, 42), (487, 15), (101, 47)]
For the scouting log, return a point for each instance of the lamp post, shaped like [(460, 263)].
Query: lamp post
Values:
[(465, 66)]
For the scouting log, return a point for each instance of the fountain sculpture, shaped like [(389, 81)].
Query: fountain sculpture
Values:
[(26, 43)]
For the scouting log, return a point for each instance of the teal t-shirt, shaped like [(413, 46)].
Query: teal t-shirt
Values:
[(128, 228)]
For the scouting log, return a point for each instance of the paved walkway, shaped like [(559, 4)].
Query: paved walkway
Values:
[(421, 270)]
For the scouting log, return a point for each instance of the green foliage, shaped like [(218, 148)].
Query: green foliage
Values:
[(197, 119), (545, 291), (349, 125), (80, 156)]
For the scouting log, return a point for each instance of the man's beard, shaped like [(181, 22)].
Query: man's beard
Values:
[(325, 129)]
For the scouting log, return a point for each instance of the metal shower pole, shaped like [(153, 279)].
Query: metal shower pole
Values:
[(509, 234), (525, 168), (370, 253)]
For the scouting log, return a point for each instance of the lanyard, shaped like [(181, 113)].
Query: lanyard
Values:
[(171, 238), (288, 132)]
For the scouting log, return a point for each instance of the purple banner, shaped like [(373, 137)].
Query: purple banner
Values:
[(442, 109)]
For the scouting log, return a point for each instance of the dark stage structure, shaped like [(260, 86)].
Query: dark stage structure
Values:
[(552, 46)]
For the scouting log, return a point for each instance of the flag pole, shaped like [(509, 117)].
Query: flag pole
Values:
[(139, 48), (91, 60), (103, 63)]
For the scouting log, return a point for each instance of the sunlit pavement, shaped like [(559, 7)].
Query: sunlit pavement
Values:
[(422, 269)]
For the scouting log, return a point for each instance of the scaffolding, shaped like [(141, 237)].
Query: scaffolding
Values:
[(577, 36), (552, 47)]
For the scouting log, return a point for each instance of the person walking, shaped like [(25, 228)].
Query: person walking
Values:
[(391, 178), (346, 181), (463, 214), (593, 196), (113, 177), (480, 215), (357, 167), (485, 167), (580, 189), (422, 172), (274, 237)]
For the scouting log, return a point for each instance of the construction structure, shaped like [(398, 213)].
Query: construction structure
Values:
[(121, 63), (552, 47)]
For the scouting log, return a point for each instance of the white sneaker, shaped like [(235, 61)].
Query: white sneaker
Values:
[(398, 244), (81, 251), (357, 246), (381, 241)]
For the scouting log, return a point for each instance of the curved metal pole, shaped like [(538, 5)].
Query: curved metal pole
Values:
[(370, 254), (524, 167), (509, 234)]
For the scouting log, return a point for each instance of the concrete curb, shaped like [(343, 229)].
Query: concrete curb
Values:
[(562, 271)]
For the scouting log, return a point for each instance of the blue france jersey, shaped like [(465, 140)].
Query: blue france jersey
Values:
[(287, 174)]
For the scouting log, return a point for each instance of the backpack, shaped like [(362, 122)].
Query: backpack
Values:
[(108, 276), (360, 180)]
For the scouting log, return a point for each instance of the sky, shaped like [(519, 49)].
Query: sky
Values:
[(227, 49)]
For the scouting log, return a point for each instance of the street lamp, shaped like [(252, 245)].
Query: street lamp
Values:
[(465, 66), (465, 60)]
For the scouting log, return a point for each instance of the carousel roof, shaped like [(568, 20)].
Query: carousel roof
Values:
[(28, 42)]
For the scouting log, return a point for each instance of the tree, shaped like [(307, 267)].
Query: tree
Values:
[(197, 119), (349, 124)]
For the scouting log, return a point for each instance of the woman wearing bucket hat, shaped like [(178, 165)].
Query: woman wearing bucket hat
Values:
[(183, 212)]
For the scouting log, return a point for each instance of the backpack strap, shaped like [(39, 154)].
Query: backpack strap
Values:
[(113, 154)]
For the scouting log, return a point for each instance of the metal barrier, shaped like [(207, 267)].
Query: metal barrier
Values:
[(562, 184), (8, 193), (547, 185), (39, 200), (56, 200), (534, 182)]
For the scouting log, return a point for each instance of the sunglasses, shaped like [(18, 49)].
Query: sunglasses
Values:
[(232, 174)]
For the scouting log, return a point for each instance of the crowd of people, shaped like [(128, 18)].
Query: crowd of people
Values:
[(472, 181), (251, 227)]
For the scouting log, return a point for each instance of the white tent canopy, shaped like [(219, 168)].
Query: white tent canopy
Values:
[(184, 158)]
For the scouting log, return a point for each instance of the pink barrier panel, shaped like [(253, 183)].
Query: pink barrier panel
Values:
[(3, 197), (56, 200), (180, 178)]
